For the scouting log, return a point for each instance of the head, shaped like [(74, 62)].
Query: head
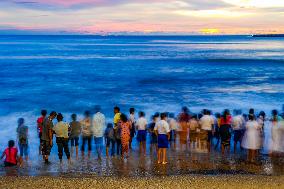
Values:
[(74, 117), (185, 109), (250, 117), (109, 125), (97, 108), (206, 112), (262, 113), (116, 110), (171, 115), (43, 113), (217, 115), (11, 143), (226, 113), (87, 113), (59, 117), (163, 116), (274, 113), (131, 110), (141, 114), (52, 115), (194, 116), (21, 121), (123, 118), (156, 116), (251, 111)]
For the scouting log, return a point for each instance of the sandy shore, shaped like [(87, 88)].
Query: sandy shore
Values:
[(185, 181)]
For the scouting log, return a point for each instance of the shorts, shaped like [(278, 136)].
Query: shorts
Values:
[(141, 136), (238, 135), (23, 150), (163, 141), (209, 136), (74, 141), (8, 164), (203, 136), (154, 139), (46, 147), (192, 136)]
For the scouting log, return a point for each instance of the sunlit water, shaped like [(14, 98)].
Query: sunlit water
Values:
[(70, 74)]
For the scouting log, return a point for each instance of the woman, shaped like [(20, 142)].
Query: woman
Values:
[(225, 125), (276, 145), (10, 154), (183, 120), (125, 127), (252, 140), (22, 132), (86, 133)]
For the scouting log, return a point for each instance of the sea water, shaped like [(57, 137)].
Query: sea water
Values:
[(71, 74)]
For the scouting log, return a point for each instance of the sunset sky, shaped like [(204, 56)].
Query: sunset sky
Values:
[(144, 16)]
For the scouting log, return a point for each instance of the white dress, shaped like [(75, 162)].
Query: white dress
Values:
[(277, 132), (252, 138)]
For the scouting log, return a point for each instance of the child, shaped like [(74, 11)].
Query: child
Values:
[(154, 139), (109, 139), (141, 125), (22, 132), (193, 126), (173, 127), (162, 129), (61, 131), (11, 155), (75, 131), (132, 121)]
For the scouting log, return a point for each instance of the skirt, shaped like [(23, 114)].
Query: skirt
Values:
[(163, 141), (141, 136)]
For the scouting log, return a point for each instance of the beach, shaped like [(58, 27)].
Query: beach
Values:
[(185, 181)]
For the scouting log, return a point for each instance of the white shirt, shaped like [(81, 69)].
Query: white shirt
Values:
[(98, 124), (141, 123), (238, 122), (162, 127), (206, 122), (61, 129), (173, 124), (132, 118)]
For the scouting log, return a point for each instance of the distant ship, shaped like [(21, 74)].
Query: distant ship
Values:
[(268, 35)]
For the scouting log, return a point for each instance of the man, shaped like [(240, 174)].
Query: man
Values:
[(116, 120), (39, 127), (132, 122), (238, 127), (61, 131), (207, 123), (47, 135), (141, 125), (86, 133), (98, 128)]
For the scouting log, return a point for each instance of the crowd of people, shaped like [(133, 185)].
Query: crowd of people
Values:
[(188, 131)]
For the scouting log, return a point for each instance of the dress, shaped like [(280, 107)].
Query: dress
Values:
[(251, 139), (225, 130), (277, 131), (183, 121), (125, 134)]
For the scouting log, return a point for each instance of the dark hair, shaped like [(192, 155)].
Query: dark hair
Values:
[(262, 113), (251, 117), (109, 125), (217, 115), (141, 114), (53, 113), (251, 111), (59, 117), (185, 109), (11, 143), (225, 113), (171, 115), (21, 121), (274, 112), (194, 116), (43, 112), (157, 114), (123, 118), (116, 108), (87, 113), (74, 116), (131, 110), (163, 115)]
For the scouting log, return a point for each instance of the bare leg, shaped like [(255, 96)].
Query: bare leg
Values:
[(164, 155)]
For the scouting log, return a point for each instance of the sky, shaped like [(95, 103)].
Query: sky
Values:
[(143, 16)]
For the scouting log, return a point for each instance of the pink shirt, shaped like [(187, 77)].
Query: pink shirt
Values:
[(11, 155)]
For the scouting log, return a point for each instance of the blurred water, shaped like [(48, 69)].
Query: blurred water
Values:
[(73, 73)]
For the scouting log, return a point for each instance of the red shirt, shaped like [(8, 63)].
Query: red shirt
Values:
[(228, 121), (39, 124), (11, 155), (184, 117)]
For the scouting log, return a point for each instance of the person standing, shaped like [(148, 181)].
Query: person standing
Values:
[(116, 120), (141, 125), (22, 132), (132, 122), (109, 139), (98, 128), (86, 133), (125, 126), (61, 131), (225, 134), (75, 131), (173, 127), (47, 136), (251, 139), (183, 120), (207, 124), (162, 130), (39, 128), (154, 137), (238, 124)]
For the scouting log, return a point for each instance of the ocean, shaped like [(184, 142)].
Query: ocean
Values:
[(70, 74)]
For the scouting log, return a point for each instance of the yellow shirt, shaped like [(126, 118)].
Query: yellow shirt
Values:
[(116, 118)]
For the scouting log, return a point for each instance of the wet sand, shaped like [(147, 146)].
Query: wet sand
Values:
[(185, 181)]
